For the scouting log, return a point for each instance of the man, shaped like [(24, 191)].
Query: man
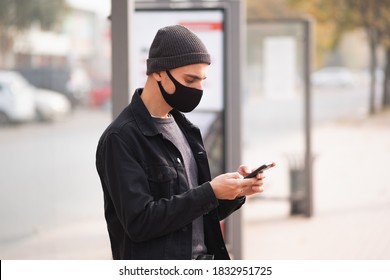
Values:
[(160, 202)]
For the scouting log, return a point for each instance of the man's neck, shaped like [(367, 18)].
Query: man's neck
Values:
[(154, 101)]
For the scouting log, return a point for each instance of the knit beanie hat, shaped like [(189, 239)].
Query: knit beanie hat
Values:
[(175, 46)]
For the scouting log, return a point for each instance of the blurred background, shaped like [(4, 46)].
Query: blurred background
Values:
[(55, 101)]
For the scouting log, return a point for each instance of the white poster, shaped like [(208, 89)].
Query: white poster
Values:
[(207, 24), (279, 56)]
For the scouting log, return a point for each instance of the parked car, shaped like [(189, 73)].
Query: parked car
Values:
[(20, 101), (334, 76), (51, 105), (100, 94), (17, 99), (73, 83)]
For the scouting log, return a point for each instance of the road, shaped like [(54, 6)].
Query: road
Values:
[(48, 179)]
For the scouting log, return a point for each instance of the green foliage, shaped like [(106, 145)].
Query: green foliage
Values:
[(344, 15), (20, 14)]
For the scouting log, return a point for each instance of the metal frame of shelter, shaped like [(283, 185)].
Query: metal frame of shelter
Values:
[(306, 23)]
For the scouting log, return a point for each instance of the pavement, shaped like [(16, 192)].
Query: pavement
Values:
[(351, 199), (351, 206)]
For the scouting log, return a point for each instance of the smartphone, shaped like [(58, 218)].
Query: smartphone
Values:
[(260, 169)]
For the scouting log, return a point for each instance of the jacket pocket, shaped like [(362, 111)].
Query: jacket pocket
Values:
[(162, 180)]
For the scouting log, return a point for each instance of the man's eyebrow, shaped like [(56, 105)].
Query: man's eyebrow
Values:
[(194, 76)]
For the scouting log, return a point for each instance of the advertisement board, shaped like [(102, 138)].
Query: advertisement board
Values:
[(207, 24)]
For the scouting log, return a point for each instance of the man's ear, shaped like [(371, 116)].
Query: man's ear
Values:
[(157, 76)]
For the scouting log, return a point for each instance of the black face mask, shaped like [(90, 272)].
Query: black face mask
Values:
[(185, 99)]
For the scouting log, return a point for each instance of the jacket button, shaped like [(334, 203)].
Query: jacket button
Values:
[(184, 229)]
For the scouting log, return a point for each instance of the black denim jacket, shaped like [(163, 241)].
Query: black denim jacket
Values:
[(149, 207)]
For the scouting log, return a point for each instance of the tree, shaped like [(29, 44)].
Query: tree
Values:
[(17, 16), (371, 15), (385, 38)]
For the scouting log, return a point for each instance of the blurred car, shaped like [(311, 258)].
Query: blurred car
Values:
[(20, 101), (17, 99), (51, 105), (333, 77), (74, 83), (100, 94), (79, 85)]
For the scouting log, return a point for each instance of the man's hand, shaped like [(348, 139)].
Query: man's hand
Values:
[(233, 185), (257, 187)]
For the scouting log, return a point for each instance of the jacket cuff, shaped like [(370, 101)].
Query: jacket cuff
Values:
[(211, 200), (241, 199)]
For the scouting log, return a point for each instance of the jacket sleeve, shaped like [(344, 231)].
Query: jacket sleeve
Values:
[(141, 216), (227, 207)]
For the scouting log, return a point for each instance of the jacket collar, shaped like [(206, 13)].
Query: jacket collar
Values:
[(141, 115), (145, 121)]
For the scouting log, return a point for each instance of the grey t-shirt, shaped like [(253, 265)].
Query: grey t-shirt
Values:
[(169, 128)]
